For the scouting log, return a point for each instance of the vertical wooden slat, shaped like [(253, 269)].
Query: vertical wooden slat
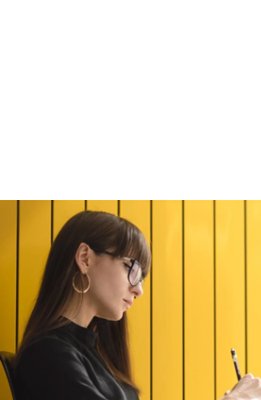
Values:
[(110, 206), (138, 212), (230, 290), (199, 300), (8, 275), (8, 232), (254, 284), (34, 234), (167, 300)]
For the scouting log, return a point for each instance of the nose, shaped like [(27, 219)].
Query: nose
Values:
[(137, 290)]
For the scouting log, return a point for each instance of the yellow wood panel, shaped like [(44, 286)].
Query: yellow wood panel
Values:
[(138, 212), (7, 285), (199, 300), (230, 290), (110, 206), (167, 300), (254, 284), (4, 385), (34, 244), (8, 275), (64, 210)]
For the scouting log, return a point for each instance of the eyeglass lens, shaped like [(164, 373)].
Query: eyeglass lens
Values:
[(135, 274)]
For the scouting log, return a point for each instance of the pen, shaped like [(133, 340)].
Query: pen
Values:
[(235, 361)]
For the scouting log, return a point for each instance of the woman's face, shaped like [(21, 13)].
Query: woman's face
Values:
[(110, 290)]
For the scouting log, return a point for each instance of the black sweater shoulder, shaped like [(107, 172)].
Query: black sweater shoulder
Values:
[(64, 364)]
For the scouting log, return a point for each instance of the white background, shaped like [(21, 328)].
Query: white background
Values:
[(137, 99)]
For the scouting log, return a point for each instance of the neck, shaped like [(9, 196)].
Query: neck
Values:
[(81, 315)]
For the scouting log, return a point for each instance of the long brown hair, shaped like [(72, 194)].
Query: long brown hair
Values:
[(101, 231)]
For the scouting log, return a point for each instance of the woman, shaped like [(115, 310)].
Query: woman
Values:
[(75, 345), (75, 342)]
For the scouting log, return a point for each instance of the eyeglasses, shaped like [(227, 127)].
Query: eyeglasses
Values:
[(135, 275)]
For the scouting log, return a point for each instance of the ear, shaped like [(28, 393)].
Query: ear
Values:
[(82, 256)]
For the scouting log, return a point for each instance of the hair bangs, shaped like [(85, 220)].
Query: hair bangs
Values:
[(131, 243)]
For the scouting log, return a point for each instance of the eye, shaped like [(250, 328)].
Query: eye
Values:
[(127, 265)]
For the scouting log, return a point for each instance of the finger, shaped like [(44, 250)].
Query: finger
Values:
[(248, 385), (248, 376), (245, 381)]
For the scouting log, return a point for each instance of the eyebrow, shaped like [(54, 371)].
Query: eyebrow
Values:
[(127, 258)]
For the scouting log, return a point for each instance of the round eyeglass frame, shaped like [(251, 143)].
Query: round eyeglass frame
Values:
[(132, 260)]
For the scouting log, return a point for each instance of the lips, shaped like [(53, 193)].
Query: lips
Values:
[(128, 302)]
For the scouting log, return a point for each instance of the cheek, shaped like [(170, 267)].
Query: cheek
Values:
[(110, 286), (108, 292)]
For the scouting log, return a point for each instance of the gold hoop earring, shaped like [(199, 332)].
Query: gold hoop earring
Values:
[(75, 287)]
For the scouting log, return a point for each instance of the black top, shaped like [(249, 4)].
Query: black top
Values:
[(64, 365)]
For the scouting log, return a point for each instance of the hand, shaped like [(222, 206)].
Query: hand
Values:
[(248, 387)]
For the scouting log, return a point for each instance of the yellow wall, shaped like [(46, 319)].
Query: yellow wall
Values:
[(201, 298)]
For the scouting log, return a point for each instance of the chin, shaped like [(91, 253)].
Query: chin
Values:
[(110, 316)]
